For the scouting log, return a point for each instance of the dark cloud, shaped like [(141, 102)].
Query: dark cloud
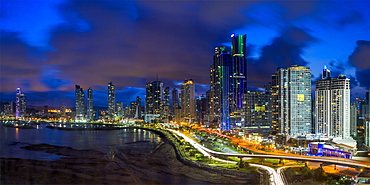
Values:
[(16, 67), (284, 51), (128, 43), (131, 44), (363, 77), (360, 58)]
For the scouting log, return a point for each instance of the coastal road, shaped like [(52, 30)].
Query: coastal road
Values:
[(275, 178), (331, 160)]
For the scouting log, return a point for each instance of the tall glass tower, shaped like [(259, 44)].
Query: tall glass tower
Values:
[(111, 99), (90, 104), (80, 102), (20, 104), (153, 97), (187, 99), (293, 99), (228, 83)]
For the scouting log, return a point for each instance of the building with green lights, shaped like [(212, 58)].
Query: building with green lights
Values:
[(228, 84)]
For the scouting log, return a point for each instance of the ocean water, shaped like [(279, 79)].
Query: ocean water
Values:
[(107, 141)]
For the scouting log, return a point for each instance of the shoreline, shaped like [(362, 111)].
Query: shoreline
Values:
[(129, 165)]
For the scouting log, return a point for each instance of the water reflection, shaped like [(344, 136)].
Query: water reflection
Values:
[(107, 141), (16, 134)]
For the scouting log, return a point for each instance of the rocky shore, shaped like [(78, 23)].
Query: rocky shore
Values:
[(74, 167), (131, 164)]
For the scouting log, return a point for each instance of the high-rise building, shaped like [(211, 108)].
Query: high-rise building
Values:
[(238, 74), (219, 92), (291, 98), (175, 102), (153, 97), (228, 83), (201, 108), (257, 108), (132, 110), (90, 104), (119, 108), (333, 106), (366, 114), (354, 115), (20, 104), (175, 98), (80, 103), (111, 100), (165, 105), (138, 108), (187, 99), (8, 108)]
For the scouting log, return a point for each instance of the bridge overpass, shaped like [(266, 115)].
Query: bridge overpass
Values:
[(331, 160), (275, 178)]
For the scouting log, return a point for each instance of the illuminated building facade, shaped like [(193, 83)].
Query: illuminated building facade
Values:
[(138, 108), (257, 108), (175, 102), (228, 83), (333, 106), (187, 99), (366, 114), (165, 105), (20, 104), (80, 102), (220, 66), (292, 88), (119, 108), (201, 107), (153, 97), (90, 104), (111, 100), (354, 116)]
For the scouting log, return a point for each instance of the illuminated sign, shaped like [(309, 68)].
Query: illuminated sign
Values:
[(300, 97)]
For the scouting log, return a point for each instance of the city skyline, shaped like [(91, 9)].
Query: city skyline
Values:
[(62, 43)]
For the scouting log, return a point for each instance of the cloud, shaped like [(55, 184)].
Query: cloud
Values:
[(362, 76), (32, 20), (129, 45), (95, 42), (284, 51), (360, 58), (16, 67)]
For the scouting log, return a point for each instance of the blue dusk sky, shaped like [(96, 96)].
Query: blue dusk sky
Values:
[(48, 46)]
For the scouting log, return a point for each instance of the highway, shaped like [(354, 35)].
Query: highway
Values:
[(275, 178), (332, 160)]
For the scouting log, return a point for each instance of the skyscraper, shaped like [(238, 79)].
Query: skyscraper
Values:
[(228, 83), (111, 100), (187, 99), (333, 106), (90, 104), (292, 90), (119, 109), (175, 102), (257, 106), (20, 104), (153, 97), (165, 105), (138, 108), (80, 103), (201, 107)]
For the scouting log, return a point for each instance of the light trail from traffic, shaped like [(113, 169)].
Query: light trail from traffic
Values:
[(275, 179)]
